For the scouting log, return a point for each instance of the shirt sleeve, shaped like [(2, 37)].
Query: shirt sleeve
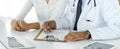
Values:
[(26, 8)]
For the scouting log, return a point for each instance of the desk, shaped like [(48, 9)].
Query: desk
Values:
[(2, 47), (29, 35), (56, 45)]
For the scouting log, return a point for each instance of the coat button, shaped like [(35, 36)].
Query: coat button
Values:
[(88, 20)]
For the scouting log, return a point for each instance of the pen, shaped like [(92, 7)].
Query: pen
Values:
[(46, 32), (47, 27)]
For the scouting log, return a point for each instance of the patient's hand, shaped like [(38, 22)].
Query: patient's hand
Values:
[(15, 25), (23, 25), (76, 36)]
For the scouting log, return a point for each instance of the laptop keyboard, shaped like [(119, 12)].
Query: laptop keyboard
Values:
[(14, 43)]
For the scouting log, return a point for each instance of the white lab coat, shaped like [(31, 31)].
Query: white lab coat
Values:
[(104, 19)]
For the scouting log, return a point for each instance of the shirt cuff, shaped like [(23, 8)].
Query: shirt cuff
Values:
[(89, 34)]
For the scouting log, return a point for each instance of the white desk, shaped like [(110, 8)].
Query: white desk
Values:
[(2, 47), (56, 45)]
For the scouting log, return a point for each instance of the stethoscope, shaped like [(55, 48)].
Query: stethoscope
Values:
[(90, 1), (73, 6), (87, 3)]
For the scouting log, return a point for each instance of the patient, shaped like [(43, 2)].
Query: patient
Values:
[(56, 10)]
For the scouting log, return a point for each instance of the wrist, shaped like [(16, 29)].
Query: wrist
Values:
[(89, 35), (33, 26), (28, 26)]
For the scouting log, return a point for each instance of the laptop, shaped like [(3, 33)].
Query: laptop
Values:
[(12, 42), (99, 45)]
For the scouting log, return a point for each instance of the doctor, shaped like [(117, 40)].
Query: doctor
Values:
[(93, 19), (45, 9)]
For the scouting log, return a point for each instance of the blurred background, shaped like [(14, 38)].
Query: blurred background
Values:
[(11, 8)]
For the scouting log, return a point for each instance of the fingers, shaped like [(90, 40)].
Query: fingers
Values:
[(71, 38), (19, 23), (49, 25), (74, 37), (15, 25), (67, 37), (77, 39), (46, 27), (18, 28)]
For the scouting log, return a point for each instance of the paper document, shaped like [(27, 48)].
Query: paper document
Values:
[(53, 35), (59, 34)]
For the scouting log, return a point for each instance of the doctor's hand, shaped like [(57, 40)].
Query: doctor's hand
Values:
[(49, 25), (76, 36)]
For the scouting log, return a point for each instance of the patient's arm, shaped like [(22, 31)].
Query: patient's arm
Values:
[(21, 25)]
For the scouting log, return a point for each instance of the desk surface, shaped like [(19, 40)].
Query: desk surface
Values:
[(2, 47), (57, 45), (29, 35)]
